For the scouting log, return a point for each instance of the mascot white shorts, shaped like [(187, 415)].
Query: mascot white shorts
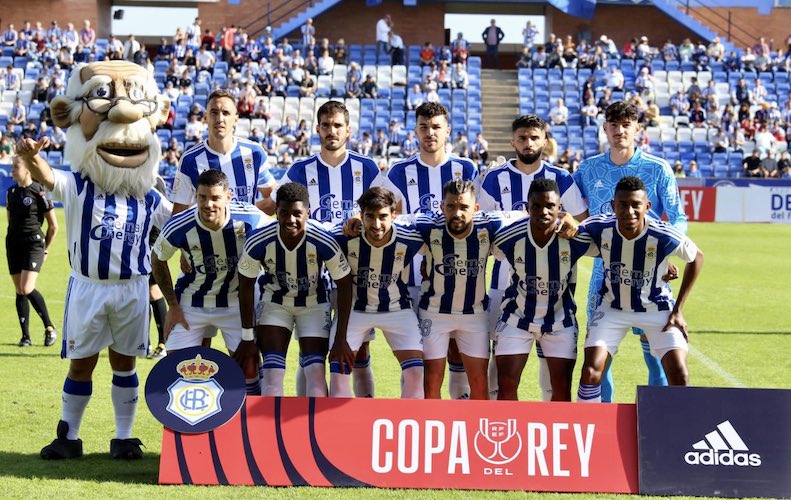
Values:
[(112, 314)]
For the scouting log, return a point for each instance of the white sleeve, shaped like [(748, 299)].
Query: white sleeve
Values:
[(64, 187), (163, 248), (338, 266), (162, 213), (384, 181), (183, 190), (248, 266), (486, 202), (686, 250), (282, 181), (573, 201)]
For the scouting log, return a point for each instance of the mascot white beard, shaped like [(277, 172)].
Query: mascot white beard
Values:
[(125, 181)]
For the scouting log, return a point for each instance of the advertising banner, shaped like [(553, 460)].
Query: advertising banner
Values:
[(700, 203), (714, 441), (412, 444)]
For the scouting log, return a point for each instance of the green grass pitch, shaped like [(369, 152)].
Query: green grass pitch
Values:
[(740, 336)]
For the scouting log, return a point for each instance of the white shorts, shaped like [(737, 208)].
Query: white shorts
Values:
[(204, 323), (494, 312), (414, 296), (400, 328), (369, 336), (105, 314), (469, 330), (307, 321), (608, 327), (558, 344)]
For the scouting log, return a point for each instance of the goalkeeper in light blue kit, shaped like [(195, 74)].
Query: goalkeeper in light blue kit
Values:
[(597, 177)]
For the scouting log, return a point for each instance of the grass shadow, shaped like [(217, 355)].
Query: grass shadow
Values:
[(90, 467)]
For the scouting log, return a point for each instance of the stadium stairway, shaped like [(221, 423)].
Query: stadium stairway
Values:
[(500, 105)]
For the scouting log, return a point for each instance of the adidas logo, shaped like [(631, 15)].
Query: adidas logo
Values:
[(353, 254), (505, 190), (412, 182), (312, 182), (599, 184), (194, 247), (100, 196), (519, 260), (605, 246), (141, 347), (722, 446), (435, 241)]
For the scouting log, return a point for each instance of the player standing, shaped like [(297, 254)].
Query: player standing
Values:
[(336, 178), (293, 250), (212, 235), (504, 188), (418, 183), (26, 247), (380, 258), (636, 251), (597, 178), (539, 303)]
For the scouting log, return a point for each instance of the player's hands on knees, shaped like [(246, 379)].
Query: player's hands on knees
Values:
[(352, 227), (672, 272), (246, 353), (28, 148), (676, 320), (566, 227), (173, 317), (342, 353), (185, 264)]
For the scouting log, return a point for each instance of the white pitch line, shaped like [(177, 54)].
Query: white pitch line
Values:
[(716, 368)]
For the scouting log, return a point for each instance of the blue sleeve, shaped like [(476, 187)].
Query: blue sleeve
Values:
[(579, 180), (667, 190)]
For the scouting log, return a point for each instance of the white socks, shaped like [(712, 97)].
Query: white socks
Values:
[(124, 395), (75, 399)]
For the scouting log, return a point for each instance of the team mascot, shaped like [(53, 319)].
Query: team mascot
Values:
[(111, 110)]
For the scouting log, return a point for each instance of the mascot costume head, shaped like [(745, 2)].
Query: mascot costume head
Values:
[(112, 109)]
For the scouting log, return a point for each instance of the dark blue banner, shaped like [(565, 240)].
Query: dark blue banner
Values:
[(714, 441), (576, 8)]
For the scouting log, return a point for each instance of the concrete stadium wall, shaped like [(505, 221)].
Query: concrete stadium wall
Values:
[(64, 11), (775, 26)]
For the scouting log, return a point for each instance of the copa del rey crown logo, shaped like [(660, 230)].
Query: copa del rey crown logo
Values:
[(196, 395), (498, 442)]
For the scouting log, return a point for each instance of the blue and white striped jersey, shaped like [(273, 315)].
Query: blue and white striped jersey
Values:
[(506, 188), (419, 188), (293, 277), (540, 296), (379, 274), (244, 165), (108, 235), (597, 177), (333, 191), (213, 255), (456, 267), (633, 269)]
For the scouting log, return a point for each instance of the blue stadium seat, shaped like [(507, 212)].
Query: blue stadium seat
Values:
[(55, 158)]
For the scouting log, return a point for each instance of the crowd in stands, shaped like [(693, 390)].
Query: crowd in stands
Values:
[(687, 93)]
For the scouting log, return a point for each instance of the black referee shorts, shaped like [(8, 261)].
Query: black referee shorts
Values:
[(25, 252)]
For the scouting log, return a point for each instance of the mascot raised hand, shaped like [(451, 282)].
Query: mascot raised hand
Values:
[(111, 110)]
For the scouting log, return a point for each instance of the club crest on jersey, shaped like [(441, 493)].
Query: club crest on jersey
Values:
[(196, 395), (358, 176), (240, 233), (564, 257), (312, 259), (27, 201), (483, 237), (457, 174), (399, 255), (248, 164), (650, 252)]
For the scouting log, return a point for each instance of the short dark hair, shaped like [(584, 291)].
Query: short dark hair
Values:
[(330, 108), (430, 110), (457, 187), (212, 177), (528, 121), (621, 111), (630, 183), (377, 198), (292, 192), (219, 94), (543, 186)]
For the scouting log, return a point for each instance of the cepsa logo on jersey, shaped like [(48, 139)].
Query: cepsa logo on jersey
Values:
[(513, 447)]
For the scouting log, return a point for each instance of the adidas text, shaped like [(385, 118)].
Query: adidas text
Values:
[(724, 457)]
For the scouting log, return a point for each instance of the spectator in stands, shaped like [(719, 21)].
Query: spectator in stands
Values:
[(194, 129), (175, 146), (784, 165), (10, 36), (644, 84), (605, 100), (443, 77), (341, 52), (307, 88), (461, 146), (30, 131), (588, 113), (759, 93), (460, 77), (539, 59), (410, 145), (18, 114), (271, 143), (326, 63), (197, 111), (751, 166), (204, 59), (716, 51), (427, 54), (6, 150), (559, 114), (748, 60), (769, 164), (693, 171), (644, 50), (279, 83), (70, 37), (285, 160), (169, 164), (479, 149), (245, 105), (669, 51), (380, 143), (22, 45), (432, 95), (308, 31), (115, 49), (525, 59), (353, 88), (492, 36), (396, 48), (679, 103), (685, 50), (615, 79), (10, 133), (394, 133), (57, 139), (555, 57), (288, 130), (697, 115), (529, 34), (651, 115), (365, 144), (460, 49), (256, 135), (383, 28), (718, 142), (10, 81), (369, 87), (568, 57), (765, 142), (678, 170)]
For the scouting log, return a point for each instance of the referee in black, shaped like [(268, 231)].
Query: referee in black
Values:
[(26, 247)]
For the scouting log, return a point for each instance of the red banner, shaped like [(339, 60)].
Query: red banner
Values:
[(392, 443), (700, 203)]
